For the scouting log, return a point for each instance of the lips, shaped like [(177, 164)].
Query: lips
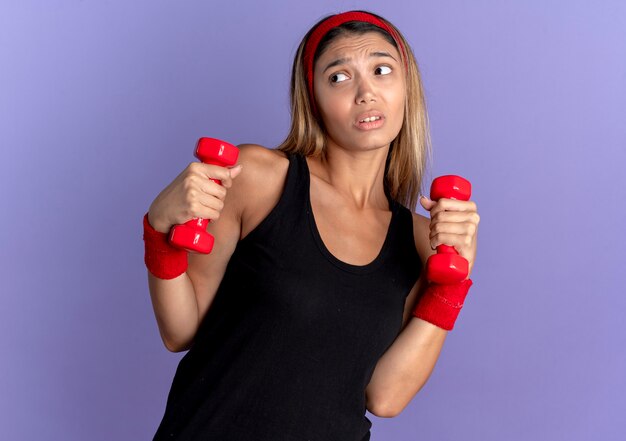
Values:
[(370, 125), (369, 114)]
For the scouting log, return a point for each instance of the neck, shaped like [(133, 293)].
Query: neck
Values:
[(358, 176)]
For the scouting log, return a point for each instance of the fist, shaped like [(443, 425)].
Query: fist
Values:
[(192, 194), (453, 223)]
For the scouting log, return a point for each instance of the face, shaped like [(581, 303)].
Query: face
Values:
[(358, 77)]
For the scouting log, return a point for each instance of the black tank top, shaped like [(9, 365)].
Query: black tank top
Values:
[(293, 335)]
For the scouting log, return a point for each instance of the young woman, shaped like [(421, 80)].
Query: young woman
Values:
[(312, 306)]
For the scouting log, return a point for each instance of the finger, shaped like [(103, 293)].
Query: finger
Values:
[(212, 171), (233, 173), (426, 203), (447, 204), (456, 216), (460, 228), (214, 189), (211, 207), (207, 186), (458, 241)]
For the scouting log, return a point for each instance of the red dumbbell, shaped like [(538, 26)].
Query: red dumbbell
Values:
[(192, 235), (447, 266)]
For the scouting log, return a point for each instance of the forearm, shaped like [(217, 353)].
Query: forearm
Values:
[(406, 366), (176, 310)]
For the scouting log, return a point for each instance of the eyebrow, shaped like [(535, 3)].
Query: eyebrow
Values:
[(345, 60)]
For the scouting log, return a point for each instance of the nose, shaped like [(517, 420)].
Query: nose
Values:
[(365, 90)]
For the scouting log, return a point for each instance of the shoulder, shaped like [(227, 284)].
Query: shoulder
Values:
[(260, 157), (261, 165), (421, 236), (260, 183)]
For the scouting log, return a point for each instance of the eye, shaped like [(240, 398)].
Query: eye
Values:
[(335, 76), (383, 68)]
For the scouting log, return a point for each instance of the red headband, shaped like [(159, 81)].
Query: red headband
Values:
[(330, 23)]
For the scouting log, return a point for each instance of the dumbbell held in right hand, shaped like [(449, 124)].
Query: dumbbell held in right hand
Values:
[(192, 235)]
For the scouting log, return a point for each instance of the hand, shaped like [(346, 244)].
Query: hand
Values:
[(454, 223), (192, 194)]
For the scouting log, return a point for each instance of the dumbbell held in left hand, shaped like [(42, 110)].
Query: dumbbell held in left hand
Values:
[(192, 235), (447, 266)]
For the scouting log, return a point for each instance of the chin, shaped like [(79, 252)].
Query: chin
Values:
[(376, 139), (373, 144)]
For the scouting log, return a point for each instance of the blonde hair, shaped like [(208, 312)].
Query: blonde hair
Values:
[(408, 152)]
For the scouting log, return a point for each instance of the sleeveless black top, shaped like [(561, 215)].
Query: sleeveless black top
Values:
[(293, 335)]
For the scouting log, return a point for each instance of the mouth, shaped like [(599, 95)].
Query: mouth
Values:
[(370, 122)]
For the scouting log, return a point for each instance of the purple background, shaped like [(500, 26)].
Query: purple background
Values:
[(101, 103)]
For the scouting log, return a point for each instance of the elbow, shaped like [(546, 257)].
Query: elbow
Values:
[(382, 409), (173, 348), (176, 347), (390, 410), (384, 414), (390, 407)]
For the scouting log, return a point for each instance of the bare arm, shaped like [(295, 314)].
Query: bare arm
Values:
[(175, 308), (181, 303), (408, 363)]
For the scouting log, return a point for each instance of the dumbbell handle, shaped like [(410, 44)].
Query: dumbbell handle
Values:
[(192, 235)]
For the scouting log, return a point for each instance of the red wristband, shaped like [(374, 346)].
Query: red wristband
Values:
[(441, 304), (162, 259)]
